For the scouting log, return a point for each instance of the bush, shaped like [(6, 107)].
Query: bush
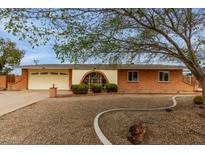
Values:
[(198, 100), (111, 87), (79, 88), (96, 88)]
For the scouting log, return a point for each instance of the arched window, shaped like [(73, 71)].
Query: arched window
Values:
[(95, 78)]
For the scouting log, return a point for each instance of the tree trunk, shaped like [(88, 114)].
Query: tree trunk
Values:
[(203, 95)]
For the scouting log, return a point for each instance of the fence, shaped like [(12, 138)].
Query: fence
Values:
[(5, 79)]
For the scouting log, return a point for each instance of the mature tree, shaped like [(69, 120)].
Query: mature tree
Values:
[(81, 34), (9, 56)]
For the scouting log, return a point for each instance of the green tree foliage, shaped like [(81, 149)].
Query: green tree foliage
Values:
[(9, 56), (115, 35)]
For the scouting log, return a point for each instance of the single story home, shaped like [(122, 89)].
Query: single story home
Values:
[(142, 78)]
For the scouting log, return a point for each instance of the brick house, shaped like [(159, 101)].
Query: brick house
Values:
[(139, 78)]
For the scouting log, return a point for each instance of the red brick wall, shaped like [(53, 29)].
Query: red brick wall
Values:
[(2, 82), (10, 78), (148, 82), (18, 78), (22, 83)]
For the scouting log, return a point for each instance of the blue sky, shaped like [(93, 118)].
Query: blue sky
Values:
[(44, 54)]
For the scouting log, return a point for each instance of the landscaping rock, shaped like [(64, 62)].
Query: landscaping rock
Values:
[(137, 133), (168, 110)]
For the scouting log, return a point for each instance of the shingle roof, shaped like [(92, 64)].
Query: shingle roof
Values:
[(100, 66)]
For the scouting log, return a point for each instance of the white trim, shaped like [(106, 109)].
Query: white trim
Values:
[(164, 72)]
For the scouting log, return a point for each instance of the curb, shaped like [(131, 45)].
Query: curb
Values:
[(99, 132)]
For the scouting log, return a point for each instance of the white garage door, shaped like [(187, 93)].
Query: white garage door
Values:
[(44, 79)]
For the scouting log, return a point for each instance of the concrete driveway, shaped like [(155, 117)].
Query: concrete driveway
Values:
[(12, 100)]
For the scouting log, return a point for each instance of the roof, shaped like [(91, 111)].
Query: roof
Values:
[(101, 66)]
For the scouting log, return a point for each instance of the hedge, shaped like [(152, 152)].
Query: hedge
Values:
[(111, 87), (79, 88), (96, 88), (198, 100)]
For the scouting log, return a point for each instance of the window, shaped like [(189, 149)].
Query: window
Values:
[(95, 78), (36, 73), (54, 73), (63, 74), (164, 76), (132, 76), (44, 73)]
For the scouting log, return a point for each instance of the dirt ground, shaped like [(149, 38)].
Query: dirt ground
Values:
[(70, 121), (182, 125)]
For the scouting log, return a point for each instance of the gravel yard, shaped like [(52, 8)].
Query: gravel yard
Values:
[(70, 121), (181, 126)]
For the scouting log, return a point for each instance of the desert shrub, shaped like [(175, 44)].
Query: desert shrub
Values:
[(96, 88), (198, 100), (111, 87), (79, 88)]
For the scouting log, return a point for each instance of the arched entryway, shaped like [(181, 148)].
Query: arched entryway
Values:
[(94, 78)]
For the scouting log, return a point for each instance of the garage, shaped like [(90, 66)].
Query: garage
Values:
[(45, 78)]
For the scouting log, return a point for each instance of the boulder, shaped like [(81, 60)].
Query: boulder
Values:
[(137, 133)]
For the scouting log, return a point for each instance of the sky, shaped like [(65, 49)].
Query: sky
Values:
[(44, 54)]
